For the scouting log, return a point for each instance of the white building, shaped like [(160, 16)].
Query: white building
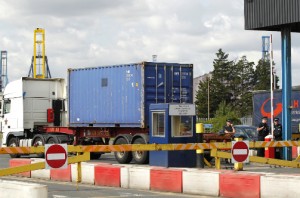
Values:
[(196, 82)]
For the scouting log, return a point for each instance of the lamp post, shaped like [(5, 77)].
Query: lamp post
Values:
[(208, 116)]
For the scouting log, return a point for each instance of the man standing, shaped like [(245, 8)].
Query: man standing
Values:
[(228, 128), (278, 137), (263, 131)]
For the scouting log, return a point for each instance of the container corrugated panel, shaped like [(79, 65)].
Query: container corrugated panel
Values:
[(120, 95), (272, 14)]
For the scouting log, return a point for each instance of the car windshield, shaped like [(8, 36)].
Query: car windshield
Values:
[(251, 131)]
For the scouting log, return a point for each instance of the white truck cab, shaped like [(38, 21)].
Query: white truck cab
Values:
[(27, 105)]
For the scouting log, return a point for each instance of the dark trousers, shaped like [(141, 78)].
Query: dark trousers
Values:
[(261, 151), (278, 150), (278, 153)]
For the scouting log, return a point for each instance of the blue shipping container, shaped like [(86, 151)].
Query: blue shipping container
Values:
[(120, 95)]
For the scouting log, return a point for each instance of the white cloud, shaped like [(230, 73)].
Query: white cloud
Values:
[(93, 33)]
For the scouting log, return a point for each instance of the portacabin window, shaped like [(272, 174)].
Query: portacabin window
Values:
[(158, 124), (182, 126)]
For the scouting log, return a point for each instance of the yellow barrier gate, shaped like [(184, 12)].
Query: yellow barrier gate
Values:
[(214, 147), (41, 165), (221, 154), (147, 147)]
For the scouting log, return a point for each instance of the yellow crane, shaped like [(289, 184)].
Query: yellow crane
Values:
[(39, 63)]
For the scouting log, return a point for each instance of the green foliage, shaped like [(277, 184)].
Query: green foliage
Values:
[(242, 85), (262, 76), (223, 113), (202, 99), (232, 83)]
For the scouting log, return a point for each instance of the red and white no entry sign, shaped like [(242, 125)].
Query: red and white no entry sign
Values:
[(56, 156), (240, 151)]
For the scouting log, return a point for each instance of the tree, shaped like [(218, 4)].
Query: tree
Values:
[(220, 81), (242, 86), (224, 112), (218, 88), (262, 76), (232, 83), (202, 99)]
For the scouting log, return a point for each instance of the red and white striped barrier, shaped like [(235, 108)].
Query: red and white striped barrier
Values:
[(61, 174), (280, 186), (240, 185), (166, 179), (20, 162), (138, 177), (107, 175), (42, 173), (87, 173), (225, 183), (201, 182)]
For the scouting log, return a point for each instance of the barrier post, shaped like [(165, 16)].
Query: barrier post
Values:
[(269, 151), (78, 173), (238, 166), (199, 152), (214, 152)]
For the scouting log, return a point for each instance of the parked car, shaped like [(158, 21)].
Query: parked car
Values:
[(246, 132)]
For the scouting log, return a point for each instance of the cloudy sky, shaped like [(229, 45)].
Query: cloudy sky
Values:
[(85, 33)]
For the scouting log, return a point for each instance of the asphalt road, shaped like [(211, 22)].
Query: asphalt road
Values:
[(4, 161), (68, 190)]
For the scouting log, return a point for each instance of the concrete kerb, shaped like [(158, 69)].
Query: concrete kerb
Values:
[(279, 186), (12, 189), (87, 173), (201, 182), (136, 177), (194, 181), (42, 173)]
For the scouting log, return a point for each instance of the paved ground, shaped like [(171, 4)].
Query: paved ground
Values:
[(68, 190)]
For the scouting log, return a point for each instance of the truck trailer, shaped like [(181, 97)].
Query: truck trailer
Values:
[(98, 104), (262, 108)]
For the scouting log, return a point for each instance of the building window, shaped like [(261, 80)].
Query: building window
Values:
[(158, 124), (182, 126)]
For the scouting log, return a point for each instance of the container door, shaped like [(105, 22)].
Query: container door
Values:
[(161, 84), (155, 83), (181, 82)]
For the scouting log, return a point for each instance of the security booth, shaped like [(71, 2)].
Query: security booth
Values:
[(172, 124)]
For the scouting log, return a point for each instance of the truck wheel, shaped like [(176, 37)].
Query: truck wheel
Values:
[(52, 141), (123, 157), (140, 157), (39, 140), (14, 142)]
